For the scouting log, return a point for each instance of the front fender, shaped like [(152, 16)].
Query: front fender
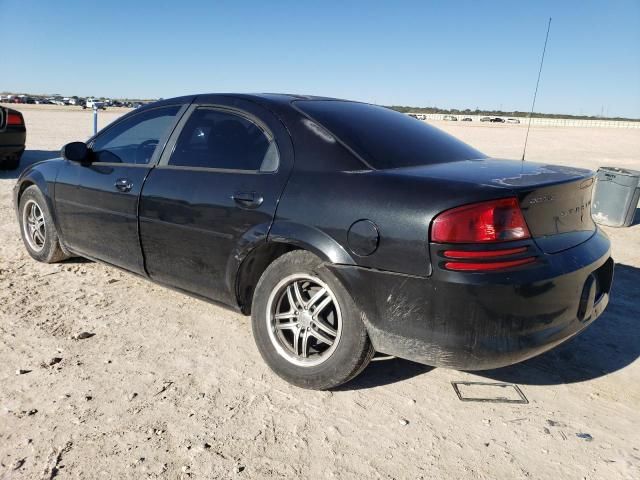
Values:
[(43, 175)]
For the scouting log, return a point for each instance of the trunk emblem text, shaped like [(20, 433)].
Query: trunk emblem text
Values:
[(544, 198)]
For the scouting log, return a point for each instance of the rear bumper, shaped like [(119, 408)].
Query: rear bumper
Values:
[(11, 143), (9, 151), (477, 321)]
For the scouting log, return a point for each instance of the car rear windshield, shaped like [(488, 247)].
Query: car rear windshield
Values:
[(384, 138)]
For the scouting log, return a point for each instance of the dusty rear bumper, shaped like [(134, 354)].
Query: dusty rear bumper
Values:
[(12, 143), (472, 321)]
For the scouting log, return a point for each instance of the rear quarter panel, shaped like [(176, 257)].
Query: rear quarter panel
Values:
[(401, 207)]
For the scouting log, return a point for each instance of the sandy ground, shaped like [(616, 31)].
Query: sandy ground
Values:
[(172, 387)]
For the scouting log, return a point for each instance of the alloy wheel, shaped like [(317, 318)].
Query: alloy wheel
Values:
[(304, 320), (33, 224)]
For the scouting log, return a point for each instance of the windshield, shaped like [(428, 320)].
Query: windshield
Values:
[(384, 138)]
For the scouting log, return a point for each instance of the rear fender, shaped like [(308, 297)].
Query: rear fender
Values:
[(311, 239), (255, 245), (251, 239)]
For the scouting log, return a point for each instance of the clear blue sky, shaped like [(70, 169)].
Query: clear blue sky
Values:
[(453, 54)]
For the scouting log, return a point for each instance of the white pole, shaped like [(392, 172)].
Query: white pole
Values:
[(95, 119)]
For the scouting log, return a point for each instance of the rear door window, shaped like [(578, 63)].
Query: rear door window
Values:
[(220, 139), (384, 138)]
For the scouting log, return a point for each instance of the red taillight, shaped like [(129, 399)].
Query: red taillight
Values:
[(14, 119), (483, 267), (483, 254), (492, 221)]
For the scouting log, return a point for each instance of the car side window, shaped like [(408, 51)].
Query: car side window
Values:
[(219, 139), (135, 139)]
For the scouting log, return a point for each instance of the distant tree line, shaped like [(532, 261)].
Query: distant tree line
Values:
[(500, 113)]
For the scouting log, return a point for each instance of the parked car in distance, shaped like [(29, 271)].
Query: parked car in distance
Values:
[(467, 119), (450, 118), (13, 134), (92, 103), (485, 119), (497, 120), (342, 228), (513, 120)]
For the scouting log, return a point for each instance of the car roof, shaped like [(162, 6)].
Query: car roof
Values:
[(263, 98)]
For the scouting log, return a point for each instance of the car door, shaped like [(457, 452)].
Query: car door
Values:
[(97, 202), (214, 191)]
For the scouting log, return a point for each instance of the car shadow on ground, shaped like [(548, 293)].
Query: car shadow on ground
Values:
[(611, 343), (384, 370), (29, 157)]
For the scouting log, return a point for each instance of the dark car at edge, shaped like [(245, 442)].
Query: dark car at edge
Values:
[(342, 228), (13, 135)]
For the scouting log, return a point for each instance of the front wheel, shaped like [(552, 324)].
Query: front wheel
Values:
[(306, 325), (37, 228)]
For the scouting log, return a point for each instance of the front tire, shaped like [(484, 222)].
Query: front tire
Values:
[(306, 324), (37, 228)]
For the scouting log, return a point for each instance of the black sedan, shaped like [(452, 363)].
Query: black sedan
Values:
[(12, 138), (343, 228)]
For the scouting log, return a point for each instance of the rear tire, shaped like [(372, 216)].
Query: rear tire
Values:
[(37, 228), (306, 324)]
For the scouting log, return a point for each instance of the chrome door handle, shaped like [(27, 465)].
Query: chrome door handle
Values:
[(247, 199), (124, 184)]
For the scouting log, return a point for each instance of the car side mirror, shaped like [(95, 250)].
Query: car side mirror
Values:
[(76, 152)]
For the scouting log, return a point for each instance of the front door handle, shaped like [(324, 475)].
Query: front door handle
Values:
[(247, 199), (124, 184)]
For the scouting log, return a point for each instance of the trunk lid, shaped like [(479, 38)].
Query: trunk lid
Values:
[(555, 200), (559, 216)]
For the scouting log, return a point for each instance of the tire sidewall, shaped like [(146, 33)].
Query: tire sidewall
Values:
[(345, 361)]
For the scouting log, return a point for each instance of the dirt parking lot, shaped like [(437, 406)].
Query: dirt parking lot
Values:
[(173, 387)]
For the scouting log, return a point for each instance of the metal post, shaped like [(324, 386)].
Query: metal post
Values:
[(95, 119)]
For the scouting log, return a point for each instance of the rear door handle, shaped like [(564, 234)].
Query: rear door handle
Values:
[(124, 184), (247, 199)]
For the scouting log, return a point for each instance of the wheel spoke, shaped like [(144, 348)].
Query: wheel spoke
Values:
[(285, 316), (286, 326), (320, 336), (292, 302), (37, 236), (296, 341), (325, 328), (319, 294), (321, 307), (298, 294), (305, 343)]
